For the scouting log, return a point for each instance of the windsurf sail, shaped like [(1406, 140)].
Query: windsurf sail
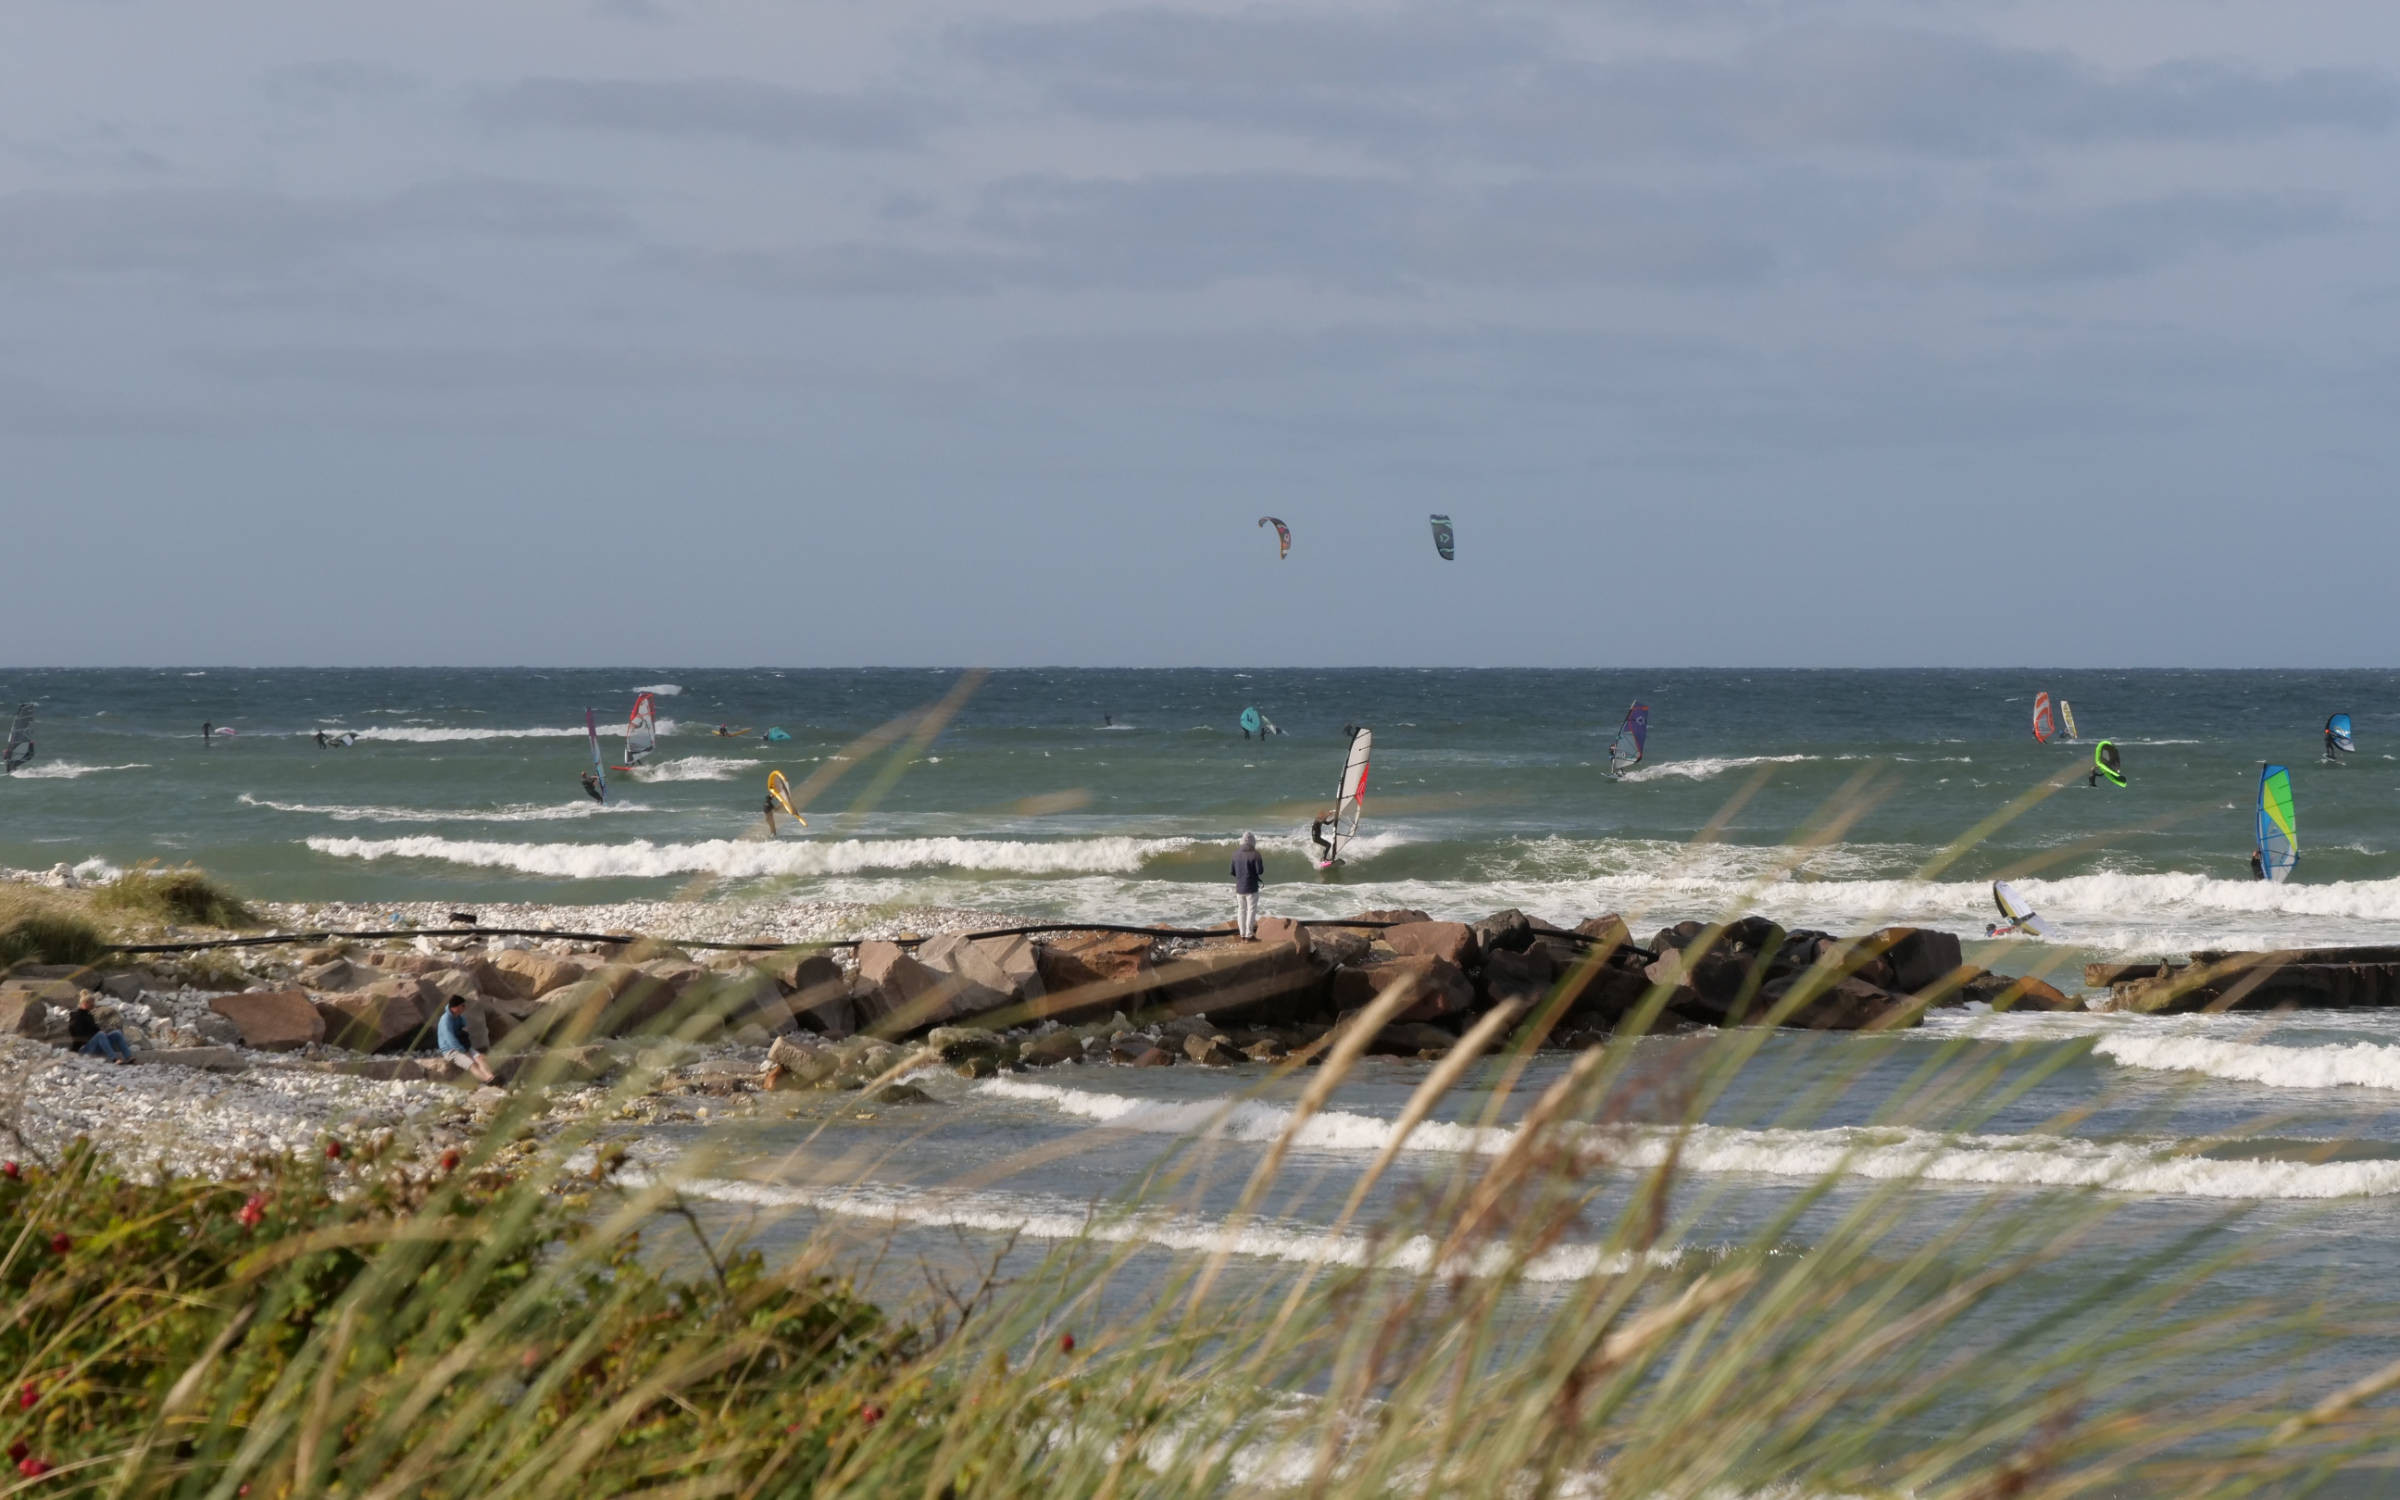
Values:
[(1350, 798), (2018, 910), (591, 731), (2042, 727), (2106, 761), (1283, 535), (641, 730), (2278, 830), (778, 737), (1633, 737), (2066, 719), (20, 739), (2337, 735), (779, 795), (1444, 541), (1251, 722)]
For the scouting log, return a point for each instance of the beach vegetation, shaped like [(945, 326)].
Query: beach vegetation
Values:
[(183, 896), (41, 926)]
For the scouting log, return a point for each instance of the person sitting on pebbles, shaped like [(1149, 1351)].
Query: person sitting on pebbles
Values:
[(87, 1036), (458, 1048)]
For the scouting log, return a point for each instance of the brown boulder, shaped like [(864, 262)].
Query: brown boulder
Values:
[(1394, 915), (1920, 957), (1072, 962), (1335, 946), (1263, 983), (2003, 993), (1601, 994), (819, 997), (538, 973), (1052, 1049), (376, 1019), (23, 1010), (1212, 1051), (1509, 974), (271, 1020), (1452, 942), (1282, 930), (1504, 931), (895, 994), (1435, 986), (981, 978), (338, 974), (1607, 931), (1844, 1005), (1411, 1039)]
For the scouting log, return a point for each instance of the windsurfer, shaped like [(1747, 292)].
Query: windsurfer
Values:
[(769, 810), (1249, 873), (1316, 834), (208, 732), (320, 739), (2258, 865), (2332, 748), (592, 788)]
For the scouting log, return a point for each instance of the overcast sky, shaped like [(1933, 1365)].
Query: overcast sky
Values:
[(728, 331)]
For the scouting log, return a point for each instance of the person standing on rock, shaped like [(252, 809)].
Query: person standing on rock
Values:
[(458, 1048), (1249, 873), (87, 1036)]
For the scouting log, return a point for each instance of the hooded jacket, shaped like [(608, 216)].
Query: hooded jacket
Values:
[(1249, 867)]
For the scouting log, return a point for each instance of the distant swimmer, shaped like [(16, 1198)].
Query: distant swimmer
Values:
[(592, 787)]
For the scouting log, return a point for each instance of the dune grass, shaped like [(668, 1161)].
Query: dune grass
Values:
[(183, 896), (41, 926)]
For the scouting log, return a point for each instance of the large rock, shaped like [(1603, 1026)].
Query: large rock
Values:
[(1395, 915), (1715, 986), (1452, 942), (1268, 984), (1073, 962), (1607, 931), (897, 995), (1599, 993), (1283, 930), (818, 996), (1508, 974), (1509, 931), (23, 1011), (1920, 957), (2003, 993), (1335, 946), (1435, 987), (272, 1020), (379, 1018), (1410, 1039), (538, 973), (1051, 1049), (987, 976), (339, 974), (1844, 1005)]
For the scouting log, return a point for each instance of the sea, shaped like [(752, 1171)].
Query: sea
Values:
[(1842, 800)]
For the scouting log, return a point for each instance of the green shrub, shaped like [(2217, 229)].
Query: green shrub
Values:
[(39, 927), (184, 896)]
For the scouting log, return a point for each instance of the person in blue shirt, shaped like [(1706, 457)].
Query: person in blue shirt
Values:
[(458, 1047)]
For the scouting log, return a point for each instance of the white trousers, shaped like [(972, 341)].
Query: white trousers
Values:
[(1247, 921)]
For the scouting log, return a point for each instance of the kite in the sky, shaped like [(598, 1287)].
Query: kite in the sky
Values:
[(1283, 534), (1443, 541)]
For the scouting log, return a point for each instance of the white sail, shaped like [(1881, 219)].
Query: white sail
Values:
[(1350, 801), (641, 730)]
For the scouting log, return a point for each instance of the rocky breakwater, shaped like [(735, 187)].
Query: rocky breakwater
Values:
[(2290, 979), (983, 1005)]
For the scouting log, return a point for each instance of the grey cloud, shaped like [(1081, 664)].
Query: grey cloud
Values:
[(1449, 79), (237, 230), (768, 114), (323, 86), (2114, 239), (437, 370)]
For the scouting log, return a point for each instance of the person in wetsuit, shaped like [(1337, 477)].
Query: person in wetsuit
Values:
[(1316, 835), (591, 787), (2258, 865)]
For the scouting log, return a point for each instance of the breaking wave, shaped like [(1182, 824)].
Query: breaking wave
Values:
[(1043, 1217), (2155, 1168), (67, 770), (1703, 767), (2358, 1065), (523, 812), (422, 734), (695, 768), (659, 690), (746, 858)]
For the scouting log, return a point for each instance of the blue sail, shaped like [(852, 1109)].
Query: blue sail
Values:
[(2337, 729)]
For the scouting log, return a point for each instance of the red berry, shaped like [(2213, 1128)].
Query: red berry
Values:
[(253, 1211), (333, 1150), (17, 1451), (1066, 1343), (870, 1414), (8, 1169), (27, 1394), (450, 1160), (60, 1244), (32, 1468)]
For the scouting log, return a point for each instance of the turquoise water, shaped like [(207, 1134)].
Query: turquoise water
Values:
[(1819, 797)]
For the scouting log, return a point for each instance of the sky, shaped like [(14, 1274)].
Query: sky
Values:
[(719, 332)]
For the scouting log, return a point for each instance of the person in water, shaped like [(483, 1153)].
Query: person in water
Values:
[(2333, 756), (1316, 835), (1249, 873), (2258, 864), (320, 739), (768, 807), (208, 732), (592, 788)]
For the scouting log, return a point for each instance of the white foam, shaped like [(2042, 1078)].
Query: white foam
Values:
[(418, 734), (2358, 1065), (1703, 767), (522, 812), (1041, 1217), (748, 858), (2156, 1168), (695, 768), (659, 690), (54, 770)]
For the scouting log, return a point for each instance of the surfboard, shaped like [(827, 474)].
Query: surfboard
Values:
[(723, 733), (2017, 909), (1349, 799), (2278, 828)]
